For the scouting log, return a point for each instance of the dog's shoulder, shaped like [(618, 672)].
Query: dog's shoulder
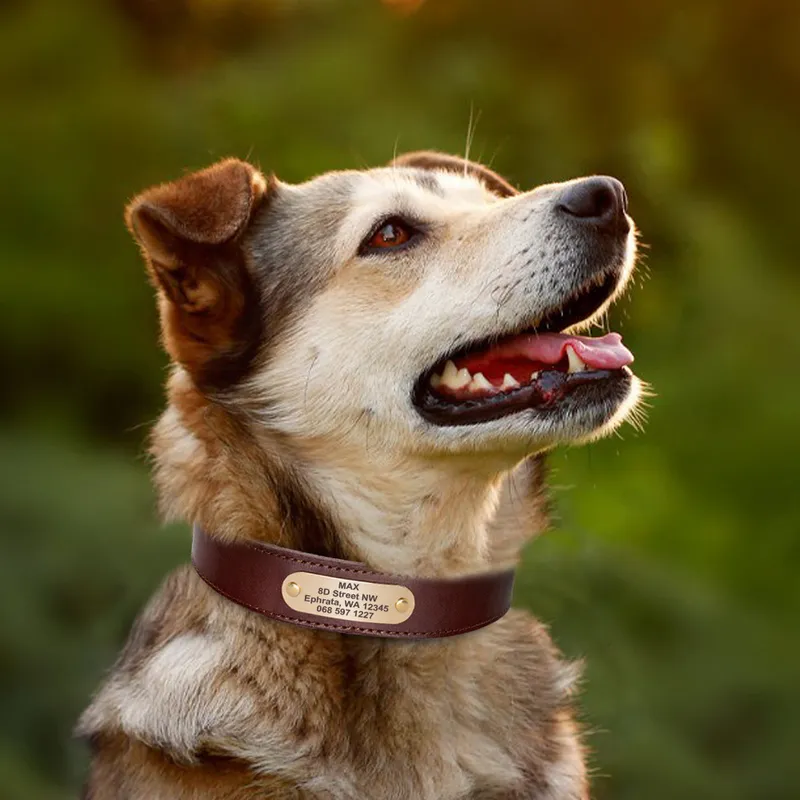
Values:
[(176, 619), (200, 674), (180, 607), (126, 769)]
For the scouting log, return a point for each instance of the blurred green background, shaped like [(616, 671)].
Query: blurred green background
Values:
[(673, 563)]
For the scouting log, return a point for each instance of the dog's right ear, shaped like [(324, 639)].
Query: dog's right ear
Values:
[(189, 232)]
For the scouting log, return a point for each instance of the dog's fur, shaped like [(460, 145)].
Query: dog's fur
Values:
[(290, 421)]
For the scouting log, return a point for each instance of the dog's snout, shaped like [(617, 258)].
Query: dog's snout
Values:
[(600, 200)]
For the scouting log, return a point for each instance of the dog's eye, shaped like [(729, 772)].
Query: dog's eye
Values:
[(391, 233)]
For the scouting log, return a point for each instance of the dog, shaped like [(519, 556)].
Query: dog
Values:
[(369, 366)]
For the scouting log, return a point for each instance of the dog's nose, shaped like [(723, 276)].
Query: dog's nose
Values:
[(600, 200)]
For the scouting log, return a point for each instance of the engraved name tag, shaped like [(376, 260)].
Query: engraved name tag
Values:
[(343, 600)]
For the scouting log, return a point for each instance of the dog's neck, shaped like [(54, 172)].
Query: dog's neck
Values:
[(419, 516), (410, 515)]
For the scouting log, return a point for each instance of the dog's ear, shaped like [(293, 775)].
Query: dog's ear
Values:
[(189, 232), (428, 159)]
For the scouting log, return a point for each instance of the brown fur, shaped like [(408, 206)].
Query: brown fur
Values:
[(210, 316), (433, 160), (210, 700), (125, 767)]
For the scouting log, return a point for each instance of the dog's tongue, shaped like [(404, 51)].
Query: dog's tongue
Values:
[(603, 352)]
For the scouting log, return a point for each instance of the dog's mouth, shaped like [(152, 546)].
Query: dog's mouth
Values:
[(534, 369)]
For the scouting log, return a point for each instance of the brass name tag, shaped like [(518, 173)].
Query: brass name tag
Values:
[(342, 600)]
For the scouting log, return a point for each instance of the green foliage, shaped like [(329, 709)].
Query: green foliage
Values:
[(673, 565)]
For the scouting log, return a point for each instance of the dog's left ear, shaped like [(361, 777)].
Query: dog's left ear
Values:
[(429, 159), (190, 232)]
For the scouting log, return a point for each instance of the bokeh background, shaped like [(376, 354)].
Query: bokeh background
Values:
[(673, 563)]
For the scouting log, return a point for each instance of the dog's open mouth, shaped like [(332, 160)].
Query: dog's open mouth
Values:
[(534, 369)]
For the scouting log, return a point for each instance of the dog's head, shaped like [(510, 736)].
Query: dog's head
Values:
[(425, 307)]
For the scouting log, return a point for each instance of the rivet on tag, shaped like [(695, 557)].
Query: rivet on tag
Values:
[(402, 605), (292, 589)]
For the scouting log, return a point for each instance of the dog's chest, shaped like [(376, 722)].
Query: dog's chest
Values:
[(386, 721), (428, 736), (484, 715), (344, 718)]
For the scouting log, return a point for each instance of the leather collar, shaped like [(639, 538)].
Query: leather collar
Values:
[(331, 594)]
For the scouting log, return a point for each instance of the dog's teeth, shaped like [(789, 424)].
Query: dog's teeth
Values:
[(535, 375), (454, 378), (449, 373), (479, 383), (509, 382), (575, 362), (436, 380), (463, 378)]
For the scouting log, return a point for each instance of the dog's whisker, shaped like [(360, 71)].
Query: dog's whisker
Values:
[(308, 377), (394, 150), (471, 127)]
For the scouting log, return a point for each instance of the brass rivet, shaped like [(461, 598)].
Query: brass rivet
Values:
[(402, 605), (292, 589)]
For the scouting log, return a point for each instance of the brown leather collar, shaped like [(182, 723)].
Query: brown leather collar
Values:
[(345, 596)]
